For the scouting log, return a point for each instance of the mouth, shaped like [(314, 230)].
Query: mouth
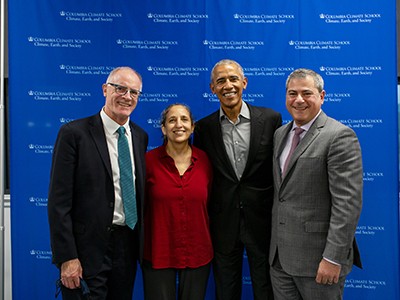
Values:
[(301, 108), (230, 94), (179, 132), (125, 104)]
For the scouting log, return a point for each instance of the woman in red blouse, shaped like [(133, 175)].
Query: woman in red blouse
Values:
[(177, 237)]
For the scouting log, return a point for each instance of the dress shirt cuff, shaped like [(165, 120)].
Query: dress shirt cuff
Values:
[(331, 261)]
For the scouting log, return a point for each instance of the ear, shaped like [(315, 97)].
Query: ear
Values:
[(322, 96), (104, 87), (245, 81), (212, 88), (163, 130)]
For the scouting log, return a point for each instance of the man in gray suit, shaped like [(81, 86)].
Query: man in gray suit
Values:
[(318, 197)]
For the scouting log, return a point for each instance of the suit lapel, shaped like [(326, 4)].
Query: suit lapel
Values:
[(219, 146), (256, 131), (279, 144), (136, 151), (307, 140), (97, 132)]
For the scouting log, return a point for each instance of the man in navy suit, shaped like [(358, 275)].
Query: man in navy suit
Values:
[(88, 233), (238, 139)]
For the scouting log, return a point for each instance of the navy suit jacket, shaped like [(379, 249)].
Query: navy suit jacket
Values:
[(253, 193), (81, 193)]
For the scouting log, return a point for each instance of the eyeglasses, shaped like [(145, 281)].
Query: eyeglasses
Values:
[(122, 90)]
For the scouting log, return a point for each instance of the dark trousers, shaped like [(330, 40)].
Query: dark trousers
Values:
[(227, 268), (116, 277), (160, 284)]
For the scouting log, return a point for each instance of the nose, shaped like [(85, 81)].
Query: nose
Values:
[(299, 98), (178, 123), (127, 95), (228, 84)]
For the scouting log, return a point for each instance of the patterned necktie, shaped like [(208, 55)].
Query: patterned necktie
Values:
[(126, 179), (295, 142)]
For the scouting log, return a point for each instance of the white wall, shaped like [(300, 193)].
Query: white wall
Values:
[(7, 249)]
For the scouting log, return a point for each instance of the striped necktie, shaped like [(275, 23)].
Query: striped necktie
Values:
[(295, 142)]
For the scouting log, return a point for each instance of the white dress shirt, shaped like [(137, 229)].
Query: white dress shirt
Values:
[(110, 129)]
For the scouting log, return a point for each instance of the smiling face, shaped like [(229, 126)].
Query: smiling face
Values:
[(178, 124), (119, 107), (303, 100), (228, 84)]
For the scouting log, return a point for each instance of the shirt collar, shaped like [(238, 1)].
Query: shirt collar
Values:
[(163, 153), (110, 126), (307, 126), (244, 112)]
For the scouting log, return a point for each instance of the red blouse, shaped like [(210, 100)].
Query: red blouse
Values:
[(176, 219)]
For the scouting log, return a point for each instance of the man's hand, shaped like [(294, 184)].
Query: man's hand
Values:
[(71, 272), (328, 273)]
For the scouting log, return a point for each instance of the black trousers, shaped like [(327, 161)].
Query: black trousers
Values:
[(116, 277), (227, 268), (160, 284)]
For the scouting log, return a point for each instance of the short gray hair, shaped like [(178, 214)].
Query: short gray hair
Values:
[(303, 73), (117, 69), (227, 62)]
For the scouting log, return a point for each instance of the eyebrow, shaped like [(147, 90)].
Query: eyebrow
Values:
[(304, 90), (225, 77)]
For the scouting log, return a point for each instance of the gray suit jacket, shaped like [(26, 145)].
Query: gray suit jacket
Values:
[(318, 203)]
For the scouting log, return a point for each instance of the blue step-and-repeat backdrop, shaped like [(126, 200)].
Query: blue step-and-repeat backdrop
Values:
[(62, 51)]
